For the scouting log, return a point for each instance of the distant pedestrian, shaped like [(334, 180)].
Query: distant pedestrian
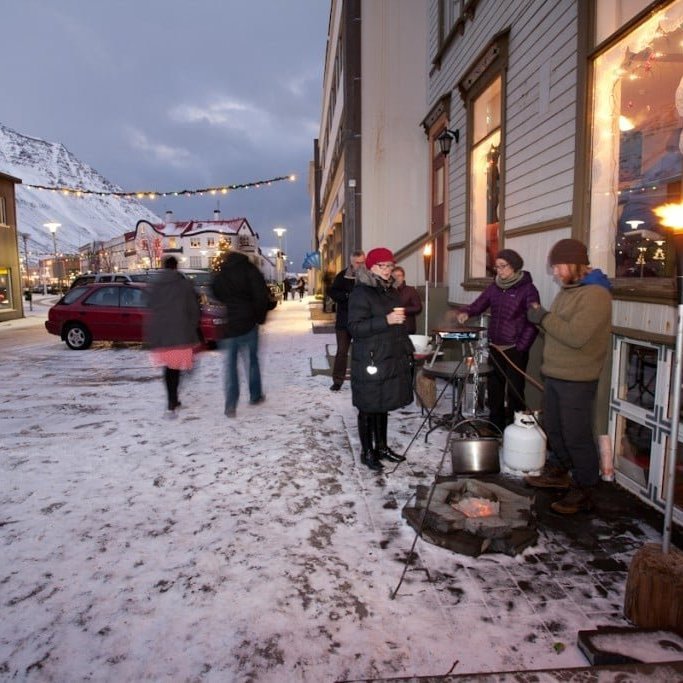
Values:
[(301, 288), (287, 288), (577, 332), (172, 328), (339, 292), (239, 284), (410, 299), (382, 356)]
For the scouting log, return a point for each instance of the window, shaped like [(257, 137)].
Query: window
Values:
[(195, 242), (637, 140), (210, 241), (3, 212), (106, 296), (452, 17), (5, 290), (133, 298), (484, 164)]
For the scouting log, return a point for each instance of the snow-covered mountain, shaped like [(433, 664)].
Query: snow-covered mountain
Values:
[(83, 219)]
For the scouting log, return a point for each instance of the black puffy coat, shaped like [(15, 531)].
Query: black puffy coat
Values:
[(174, 311), (241, 287), (376, 343)]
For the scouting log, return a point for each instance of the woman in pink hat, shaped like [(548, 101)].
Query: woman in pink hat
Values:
[(381, 355)]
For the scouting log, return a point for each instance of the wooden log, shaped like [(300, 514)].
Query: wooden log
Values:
[(654, 589)]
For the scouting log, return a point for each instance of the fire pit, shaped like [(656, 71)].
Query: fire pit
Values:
[(472, 517)]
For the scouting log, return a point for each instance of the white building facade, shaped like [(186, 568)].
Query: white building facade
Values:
[(371, 150)]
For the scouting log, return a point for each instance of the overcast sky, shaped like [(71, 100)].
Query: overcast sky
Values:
[(177, 94)]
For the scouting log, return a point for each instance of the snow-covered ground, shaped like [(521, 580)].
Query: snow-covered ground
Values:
[(250, 549)]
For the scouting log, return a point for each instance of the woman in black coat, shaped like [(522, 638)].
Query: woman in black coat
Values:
[(381, 355)]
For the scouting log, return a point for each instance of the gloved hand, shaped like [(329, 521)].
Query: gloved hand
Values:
[(536, 314)]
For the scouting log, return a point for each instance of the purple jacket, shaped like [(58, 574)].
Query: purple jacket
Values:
[(508, 324)]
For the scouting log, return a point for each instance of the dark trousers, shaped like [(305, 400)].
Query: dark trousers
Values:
[(505, 379), (341, 359), (568, 423), (172, 380)]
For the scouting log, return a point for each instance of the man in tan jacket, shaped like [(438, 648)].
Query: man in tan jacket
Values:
[(577, 335)]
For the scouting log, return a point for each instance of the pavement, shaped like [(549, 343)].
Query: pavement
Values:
[(594, 544)]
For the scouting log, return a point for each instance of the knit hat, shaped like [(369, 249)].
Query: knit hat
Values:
[(379, 255), (569, 251), (512, 258)]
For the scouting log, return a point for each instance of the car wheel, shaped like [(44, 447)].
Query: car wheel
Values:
[(77, 337)]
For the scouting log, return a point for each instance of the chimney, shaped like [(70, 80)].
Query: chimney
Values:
[(168, 217), (216, 214)]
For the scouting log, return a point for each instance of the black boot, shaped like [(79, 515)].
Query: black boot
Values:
[(383, 451), (368, 456)]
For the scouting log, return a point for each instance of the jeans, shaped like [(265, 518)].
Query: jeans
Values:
[(233, 346), (568, 423), (503, 379), (341, 359)]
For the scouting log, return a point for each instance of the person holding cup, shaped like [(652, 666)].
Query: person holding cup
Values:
[(381, 355)]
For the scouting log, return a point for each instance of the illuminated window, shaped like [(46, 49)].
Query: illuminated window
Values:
[(485, 195), (637, 138)]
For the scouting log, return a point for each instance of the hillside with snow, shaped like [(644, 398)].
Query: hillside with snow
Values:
[(83, 219)]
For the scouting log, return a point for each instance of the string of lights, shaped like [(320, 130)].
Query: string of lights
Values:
[(153, 194)]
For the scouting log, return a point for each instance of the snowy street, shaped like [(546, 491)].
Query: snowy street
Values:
[(249, 549)]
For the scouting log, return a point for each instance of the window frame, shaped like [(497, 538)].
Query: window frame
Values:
[(659, 290), (491, 64)]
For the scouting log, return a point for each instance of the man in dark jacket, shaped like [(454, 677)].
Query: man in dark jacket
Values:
[(410, 299), (339, 292), (239, 284)]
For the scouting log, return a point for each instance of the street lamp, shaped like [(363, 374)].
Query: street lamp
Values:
[(427, 258), (281, 267), (52, 227)]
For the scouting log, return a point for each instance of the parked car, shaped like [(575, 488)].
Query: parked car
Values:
[(116, 311), (89, 278)]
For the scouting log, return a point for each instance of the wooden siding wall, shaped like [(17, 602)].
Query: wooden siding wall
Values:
[(539, 127)]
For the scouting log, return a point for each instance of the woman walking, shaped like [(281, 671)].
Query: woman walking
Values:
[(172, 327), (381, 355)]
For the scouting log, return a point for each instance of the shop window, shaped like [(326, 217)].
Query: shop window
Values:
[(637, 142), (5, 290), (484, 168)]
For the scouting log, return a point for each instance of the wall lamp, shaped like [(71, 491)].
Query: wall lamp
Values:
[(445, 140)]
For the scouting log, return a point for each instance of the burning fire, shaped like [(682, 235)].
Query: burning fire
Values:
[(477, 507)]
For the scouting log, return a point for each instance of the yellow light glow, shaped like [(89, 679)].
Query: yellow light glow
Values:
[(671, 216), (427, 251), (625, 124), (292, 177)]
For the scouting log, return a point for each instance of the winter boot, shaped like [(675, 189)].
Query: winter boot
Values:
[(368, 457), (551, 477), (383, 451), (576, 500)]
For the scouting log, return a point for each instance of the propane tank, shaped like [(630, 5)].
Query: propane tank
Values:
[(524, 445)]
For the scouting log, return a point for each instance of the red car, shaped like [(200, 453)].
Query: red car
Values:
[(116, 311)]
